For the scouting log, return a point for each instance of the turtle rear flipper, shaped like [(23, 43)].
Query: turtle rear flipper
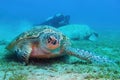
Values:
[(88, 56)]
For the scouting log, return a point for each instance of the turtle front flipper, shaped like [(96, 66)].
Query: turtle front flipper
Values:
[(23, 53), (88, 56)]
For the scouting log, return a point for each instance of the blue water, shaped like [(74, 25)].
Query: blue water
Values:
[(103, 16), (98, 14), (92, 12)]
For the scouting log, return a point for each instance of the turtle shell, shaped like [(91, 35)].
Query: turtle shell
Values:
[(35, 32)]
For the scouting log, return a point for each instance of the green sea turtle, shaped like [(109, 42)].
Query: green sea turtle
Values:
[(47, 42)]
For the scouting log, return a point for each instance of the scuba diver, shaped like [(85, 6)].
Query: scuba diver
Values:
[(57, 20)]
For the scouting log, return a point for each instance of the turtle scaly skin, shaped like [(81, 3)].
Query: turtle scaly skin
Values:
[(48, 42), (88, 56)]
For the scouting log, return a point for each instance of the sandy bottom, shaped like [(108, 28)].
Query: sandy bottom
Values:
[(65, 68)]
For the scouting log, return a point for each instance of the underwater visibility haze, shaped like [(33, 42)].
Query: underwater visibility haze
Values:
[(92, 25)]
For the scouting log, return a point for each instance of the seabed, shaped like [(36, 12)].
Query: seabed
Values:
[(67, 67)]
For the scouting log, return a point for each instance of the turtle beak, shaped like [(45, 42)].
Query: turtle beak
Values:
[(52, 42)]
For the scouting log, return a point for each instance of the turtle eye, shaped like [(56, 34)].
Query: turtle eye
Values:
[(54, 42), (49, 39)]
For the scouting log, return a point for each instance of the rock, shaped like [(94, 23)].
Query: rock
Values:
[(78, 32)]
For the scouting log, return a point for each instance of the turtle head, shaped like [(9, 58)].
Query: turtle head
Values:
[(50, 40)]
